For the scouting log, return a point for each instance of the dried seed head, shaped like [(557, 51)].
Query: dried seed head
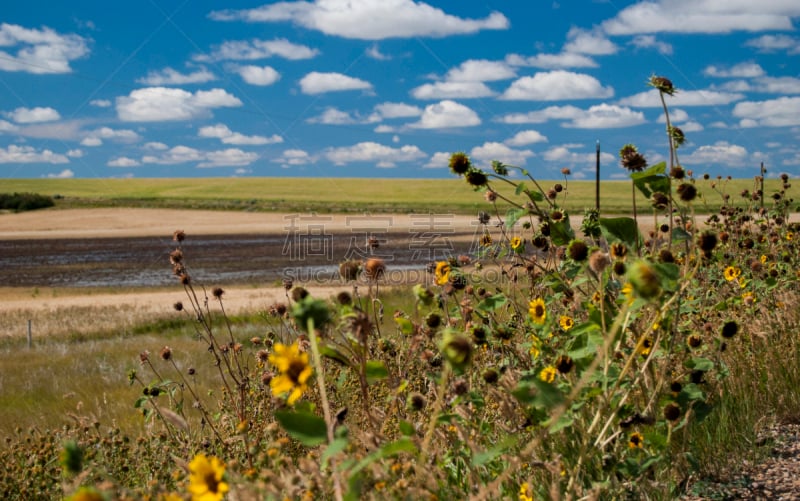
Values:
[(707, 241), (374, 268), (631, 159), (344, 298), (660, 200), (672, 411), (599, 261), (476, 178), (166, 353), (564, 364), (416, 401), (217, 292), (176, 256), (578, 250), (687, 192), (490, 375), (459, 163), (664, 85), (178, 306), (179, 236), (349, 269), (298, 294)]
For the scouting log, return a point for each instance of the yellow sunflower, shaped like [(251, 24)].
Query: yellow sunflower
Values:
[(645, 346), (442, 272), (525, 492), (636, 440), (548, 374), (486, 240), (566, 322), (205, 478), (537, 311), (516, 244), (732, 273), (294, 371)]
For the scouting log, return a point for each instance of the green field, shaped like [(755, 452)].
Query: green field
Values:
[(340, 194)]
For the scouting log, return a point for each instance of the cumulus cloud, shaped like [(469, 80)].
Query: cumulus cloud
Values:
[(100, 103), (64, 174), (542, 116), (30, 155), (769, 85), (258, 75), (564, 154), (38, 114), (169, 76), (380, 155), (773, 43), (526, 137), (95, 137), (438, 160), (780, 112), (741, 70), (374, 52), (397, 110), (589, 42), (157, 104), (481, 70), (708, 16), (227, 136), (39, 51), (230, 157), (249, 50), (367, 19), (6, 126), (123, 162), (154, 145), (319, 83), (552, 61), (720, 152), (606, 116), (651, 42), (335, 116), (651, 99), (556, 85), (448, 90), (489, 151), (76, 153), (294, 157), (446, 114)]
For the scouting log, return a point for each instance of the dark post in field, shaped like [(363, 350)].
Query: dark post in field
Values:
[(30, 333), (763, 171), (597, 180)]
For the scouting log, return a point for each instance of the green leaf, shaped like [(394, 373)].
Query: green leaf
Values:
[(520, 188), (513, 215), (652, 180), (308, 429), (700, 364), (548, 395), (334, 354), (405, 325), (680, 235), (563, 422), (335, 447), (535, 196), (620, 229), (375, 370), (481, 458), (403, 444), (407, 428), (561, 232), (491, 303)]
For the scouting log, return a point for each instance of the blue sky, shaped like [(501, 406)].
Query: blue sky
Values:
[(389, 88)]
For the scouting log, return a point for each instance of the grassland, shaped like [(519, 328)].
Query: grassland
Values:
[(340, 195)]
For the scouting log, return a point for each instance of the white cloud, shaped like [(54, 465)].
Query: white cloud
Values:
[(773, 43), (227, 136), (397, 110), (446, 114), (6, 126), (333, 116), (153, 145), (385, 129), (64, 174), (29, 155), (606, 116), (375, 53), (123, 162), (438, 160), (651, 99), (230, 157), (169, 76), (318, 83), (481, 70), (720, 152), (564, 154), (777, 85), (156, 104), (556, 85), (76, 153), (542, 116), (780, 112), (367, 19), (676, 116), (586, 42), (526, 137), (39, 51), (705, 16), (243, 50), (498, 151), (294, 157), (447, 90), (552, 61), (381, 155), (95, 137), (741, 70), (33, 115), (258, 75), (100, 103), (691, 126), (650, 42)]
